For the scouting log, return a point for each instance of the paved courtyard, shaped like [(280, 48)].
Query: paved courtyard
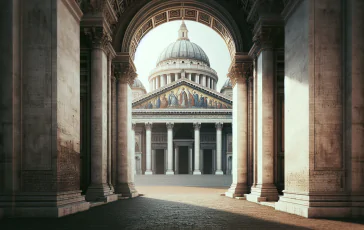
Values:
[(180, 207)]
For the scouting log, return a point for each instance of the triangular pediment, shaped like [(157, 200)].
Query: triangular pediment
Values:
[(183, 94)]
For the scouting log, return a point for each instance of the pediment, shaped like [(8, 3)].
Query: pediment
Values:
[(183, 94)]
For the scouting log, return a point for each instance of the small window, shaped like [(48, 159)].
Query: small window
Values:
[(174, 62), (183, 61), (198, 63), (191, 62)]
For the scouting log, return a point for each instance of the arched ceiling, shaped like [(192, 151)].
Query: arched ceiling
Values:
[(233, 19), (141, 16)]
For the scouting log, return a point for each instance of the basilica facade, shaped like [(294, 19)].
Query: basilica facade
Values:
[(183, 125)]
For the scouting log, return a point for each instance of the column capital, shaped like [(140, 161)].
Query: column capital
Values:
[(219, 125), (169, 125), (99, 37), (241, 68), (124, 69), (197, 125), (148, 125)]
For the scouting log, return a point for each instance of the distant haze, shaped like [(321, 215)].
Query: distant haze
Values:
[(154, 42)]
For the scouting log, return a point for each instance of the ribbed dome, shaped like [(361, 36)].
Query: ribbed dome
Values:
[(137, 84), (184, 49)]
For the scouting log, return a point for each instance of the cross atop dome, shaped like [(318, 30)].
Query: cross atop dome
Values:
[(183, 32)]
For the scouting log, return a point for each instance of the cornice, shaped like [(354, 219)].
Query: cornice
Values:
[(74, 8)]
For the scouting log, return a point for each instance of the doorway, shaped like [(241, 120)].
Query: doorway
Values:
[(159, 164), (207, 161), (183, 160)]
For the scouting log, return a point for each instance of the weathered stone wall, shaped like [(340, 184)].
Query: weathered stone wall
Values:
[(297, 100), (9, 96), (68, 102), (354, 94), (39, 95)]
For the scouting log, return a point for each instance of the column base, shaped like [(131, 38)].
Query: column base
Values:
[(263, 193), (237, 190), (219, 172), (126, 190), (321, 206), (148, 172), (197, 172), (100, 193), (40, 205), (169, 172)]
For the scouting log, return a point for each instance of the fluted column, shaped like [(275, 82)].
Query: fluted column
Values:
[(168, 78), (197, 127), (148, 137), (208, 82), (170, 149), (176, 159), (125, 72), (239, 185), (190, 76), (99, 188), (110, 78), (218, 126)]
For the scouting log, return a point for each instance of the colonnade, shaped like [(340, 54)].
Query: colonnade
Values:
[(158, 81), (195, 151)]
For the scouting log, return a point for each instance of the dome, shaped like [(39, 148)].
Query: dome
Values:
[(227, 84), (137, 84), (183, 48)]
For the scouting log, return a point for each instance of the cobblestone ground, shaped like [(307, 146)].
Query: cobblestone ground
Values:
[(177, 207)]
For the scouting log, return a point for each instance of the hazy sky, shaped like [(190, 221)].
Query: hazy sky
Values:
[(160, 37)]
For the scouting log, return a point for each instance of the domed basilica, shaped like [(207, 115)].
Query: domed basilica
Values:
[(183, 125)]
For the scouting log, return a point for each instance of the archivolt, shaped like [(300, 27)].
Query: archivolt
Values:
[(158, 12)]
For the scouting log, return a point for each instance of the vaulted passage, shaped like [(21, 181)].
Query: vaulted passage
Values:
[(286, 128)]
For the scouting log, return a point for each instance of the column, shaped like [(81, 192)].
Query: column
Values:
[(157, 84), (132, 145), (109, 119), (170, 148), (154, 83), (197, 78), (176, 159), (163, 80), (265, 188), (99, 188), (190, 76), (239, 156), (213, 161), (125, 72), (168, 78), (165, 160), (148, 137), (153, 161), (218, 126), (197, 127), (203, 80), (201, 160), (207, 81), (190, 166)]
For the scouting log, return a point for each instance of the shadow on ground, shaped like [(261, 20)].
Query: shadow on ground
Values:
[(146, 213)]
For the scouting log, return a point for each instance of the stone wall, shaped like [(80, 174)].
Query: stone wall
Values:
[(297, 100), (68, 102)]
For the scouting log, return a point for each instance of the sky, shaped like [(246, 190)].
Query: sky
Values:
[(154, 42)]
